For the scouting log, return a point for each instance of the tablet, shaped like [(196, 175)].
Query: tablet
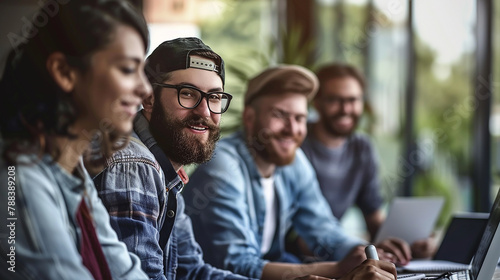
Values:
[(410, 218)]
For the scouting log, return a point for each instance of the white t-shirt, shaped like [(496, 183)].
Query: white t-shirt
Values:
[(270, 218)]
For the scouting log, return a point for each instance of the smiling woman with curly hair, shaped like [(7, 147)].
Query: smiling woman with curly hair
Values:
[(79, 79)]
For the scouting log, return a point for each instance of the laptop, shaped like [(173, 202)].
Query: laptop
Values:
[(462, 237), (457, 247), (410, 218), (487, 254)]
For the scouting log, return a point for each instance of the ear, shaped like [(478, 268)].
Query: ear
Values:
[(249, 115), (148, 103), (63, 74)]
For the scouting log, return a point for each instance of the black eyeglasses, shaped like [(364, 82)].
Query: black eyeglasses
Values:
[(190, 97), (333, 100)]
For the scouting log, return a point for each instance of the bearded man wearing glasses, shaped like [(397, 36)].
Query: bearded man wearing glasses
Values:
[(141, 184)]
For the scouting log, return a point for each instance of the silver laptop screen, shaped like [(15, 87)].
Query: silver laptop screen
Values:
[(489, 233)]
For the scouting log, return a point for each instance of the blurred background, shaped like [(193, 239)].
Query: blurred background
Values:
[(432, 68)]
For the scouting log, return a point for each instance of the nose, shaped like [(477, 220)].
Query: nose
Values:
[(292, 126), (202, 108), (144, 88), (347, 106)]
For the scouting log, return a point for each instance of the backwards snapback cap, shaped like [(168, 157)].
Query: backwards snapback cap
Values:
[(179, 54), (281, 79)]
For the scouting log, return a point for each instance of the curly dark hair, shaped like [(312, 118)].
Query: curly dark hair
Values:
[(34, 109)]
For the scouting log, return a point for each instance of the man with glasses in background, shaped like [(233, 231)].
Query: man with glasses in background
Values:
[(345, 161), (178, 125)]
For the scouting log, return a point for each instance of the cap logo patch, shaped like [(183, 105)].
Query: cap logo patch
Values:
[(202, 63)]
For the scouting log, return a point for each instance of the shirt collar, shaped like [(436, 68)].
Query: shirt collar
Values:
[(141, 128)]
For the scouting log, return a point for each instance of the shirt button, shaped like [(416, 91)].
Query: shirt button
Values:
[(170, 213)]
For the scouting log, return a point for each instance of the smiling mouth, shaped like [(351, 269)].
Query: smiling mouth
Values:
[(130, 104), (198, 128), (286, 142), (129, 107), (344, 120)]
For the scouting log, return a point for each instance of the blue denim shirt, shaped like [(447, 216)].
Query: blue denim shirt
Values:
[(46, 235), (133, 188), (225, 201)]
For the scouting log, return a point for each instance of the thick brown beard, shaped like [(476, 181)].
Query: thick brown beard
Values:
[(177, 146), (330, 128)]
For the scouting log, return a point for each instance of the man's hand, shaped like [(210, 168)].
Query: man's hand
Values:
[(353, 259), (398, 248), (372, 270), (424, 248), (312, 277), (368, 270)]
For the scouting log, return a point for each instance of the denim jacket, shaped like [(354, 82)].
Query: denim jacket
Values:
[(135, 191), (225, 201), (46, 236)]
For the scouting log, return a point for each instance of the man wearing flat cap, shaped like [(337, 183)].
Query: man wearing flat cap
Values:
[(259, 184), (141, 184)]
